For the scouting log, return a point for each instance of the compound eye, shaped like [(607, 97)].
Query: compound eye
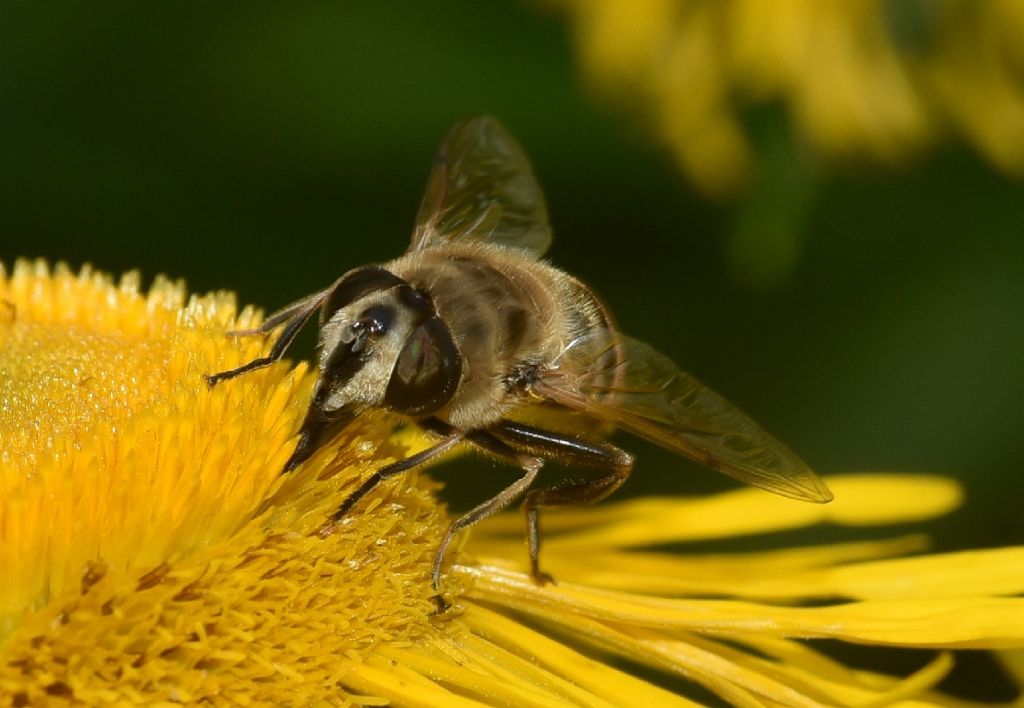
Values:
[(355, 285), (426, 372)]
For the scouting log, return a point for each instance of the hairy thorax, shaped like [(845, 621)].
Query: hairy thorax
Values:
[(505, 311)]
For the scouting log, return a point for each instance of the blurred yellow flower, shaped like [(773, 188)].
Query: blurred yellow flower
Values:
[(151, 553), (860, 78)]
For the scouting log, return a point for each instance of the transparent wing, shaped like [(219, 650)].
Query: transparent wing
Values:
[(482, 187), (614, 378)]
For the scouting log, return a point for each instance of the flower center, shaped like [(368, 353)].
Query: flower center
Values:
[(59, 382)]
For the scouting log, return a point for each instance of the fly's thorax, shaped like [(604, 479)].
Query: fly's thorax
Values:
[(503, 308)]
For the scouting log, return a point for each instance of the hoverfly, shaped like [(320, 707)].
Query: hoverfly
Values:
[(469, 329)]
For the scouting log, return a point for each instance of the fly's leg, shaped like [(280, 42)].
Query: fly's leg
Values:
[(395, 468), (452, 436), (294, 317), (285, 314), (530, 467), (572, 492)]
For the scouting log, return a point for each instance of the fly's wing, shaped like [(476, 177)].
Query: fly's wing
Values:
[(482, 188), (614, 378)]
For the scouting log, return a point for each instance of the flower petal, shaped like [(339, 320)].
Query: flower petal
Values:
[(962, 622), (860, 500)]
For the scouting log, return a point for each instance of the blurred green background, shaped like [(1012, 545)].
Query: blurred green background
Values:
[(267, 148)]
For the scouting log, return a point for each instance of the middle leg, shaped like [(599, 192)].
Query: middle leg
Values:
[(491, 444), (452, 437)]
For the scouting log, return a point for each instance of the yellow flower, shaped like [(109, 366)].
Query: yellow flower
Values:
[(152, 553), (860, 78)]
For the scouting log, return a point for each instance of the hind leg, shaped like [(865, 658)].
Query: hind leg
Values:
[(616, 463)]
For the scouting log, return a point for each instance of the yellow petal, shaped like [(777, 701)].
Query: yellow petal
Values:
[(968, 621), (779, 574), (845, 70), (860, 500)]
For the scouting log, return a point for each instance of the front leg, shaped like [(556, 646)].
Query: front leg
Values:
[(294, 317)]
